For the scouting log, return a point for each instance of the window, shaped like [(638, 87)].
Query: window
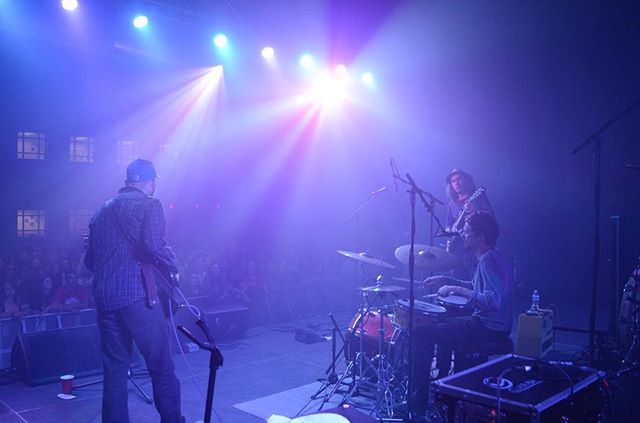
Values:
[(127, 152), (30, 223), (31, 145), (79, 221), (81, 149)]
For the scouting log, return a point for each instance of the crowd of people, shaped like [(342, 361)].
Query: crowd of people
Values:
[(35, 280), (40, 280)]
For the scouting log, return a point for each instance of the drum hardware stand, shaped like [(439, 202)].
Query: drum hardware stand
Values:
[(354, 365), (379, 364), (332, 377), (597, 141), (383, 393)]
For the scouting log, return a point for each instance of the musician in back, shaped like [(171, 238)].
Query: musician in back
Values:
[(464, 200), (127, 231)]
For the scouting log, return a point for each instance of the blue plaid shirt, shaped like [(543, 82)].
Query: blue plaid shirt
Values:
[(127, 230)]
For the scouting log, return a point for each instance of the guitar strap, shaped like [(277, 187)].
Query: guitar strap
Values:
[(149, 279), (148, 272)]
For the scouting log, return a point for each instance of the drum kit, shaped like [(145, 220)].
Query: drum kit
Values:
[(376, 345)]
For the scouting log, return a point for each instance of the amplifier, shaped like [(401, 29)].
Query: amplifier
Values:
[(225, 321), (531, 391), (535, 334)]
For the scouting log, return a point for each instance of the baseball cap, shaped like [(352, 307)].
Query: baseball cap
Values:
[(141, 170)]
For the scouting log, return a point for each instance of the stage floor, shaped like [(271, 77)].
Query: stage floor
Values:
[(267, 361)]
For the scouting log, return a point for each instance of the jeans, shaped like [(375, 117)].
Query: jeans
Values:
[(147, 327)]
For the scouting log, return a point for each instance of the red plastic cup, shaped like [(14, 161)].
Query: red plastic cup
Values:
[(66, 381)]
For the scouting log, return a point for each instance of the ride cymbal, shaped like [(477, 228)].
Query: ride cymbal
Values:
[(427, 257)]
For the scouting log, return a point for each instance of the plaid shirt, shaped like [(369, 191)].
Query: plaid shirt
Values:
[(126, 231)]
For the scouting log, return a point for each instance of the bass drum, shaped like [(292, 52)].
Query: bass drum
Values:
[(629, 315), (365, 327)]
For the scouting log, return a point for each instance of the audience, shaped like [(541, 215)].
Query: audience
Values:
[(34, 280)]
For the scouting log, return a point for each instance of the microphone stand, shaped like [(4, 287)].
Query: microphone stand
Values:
[(415, 190), (597, 141), (215, 361)]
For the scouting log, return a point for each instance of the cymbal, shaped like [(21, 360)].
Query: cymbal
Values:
[(382, 288), (367, 259), (427, 257)]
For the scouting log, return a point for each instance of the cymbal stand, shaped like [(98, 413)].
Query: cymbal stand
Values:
[(355, 214), (384, 395)]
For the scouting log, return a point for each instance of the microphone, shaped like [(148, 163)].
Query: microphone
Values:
[(378, 191), (392, 164)]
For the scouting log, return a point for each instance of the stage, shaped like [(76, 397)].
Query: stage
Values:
[(265, 372)]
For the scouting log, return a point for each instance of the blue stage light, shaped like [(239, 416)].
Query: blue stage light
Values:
[(367, 78), (140, 21), (220, 40), (306, 61)]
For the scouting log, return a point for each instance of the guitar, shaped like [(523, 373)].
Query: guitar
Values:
[(454, 242), (162, 287)]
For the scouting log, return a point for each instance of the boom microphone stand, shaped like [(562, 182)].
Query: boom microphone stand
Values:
[(215, 362), (597, 141), (415, 190)]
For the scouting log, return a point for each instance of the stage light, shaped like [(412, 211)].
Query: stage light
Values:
[(306, 61), (341, 70), (69, 4), (267, 53), (220, 40), (140, 21), (328, 89), (367, 78)]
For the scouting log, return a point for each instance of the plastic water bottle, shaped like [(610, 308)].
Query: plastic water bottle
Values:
[(535, 302)]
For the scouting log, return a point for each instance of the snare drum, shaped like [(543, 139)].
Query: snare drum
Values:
[(424, 314), (456, 305), (369, 327)]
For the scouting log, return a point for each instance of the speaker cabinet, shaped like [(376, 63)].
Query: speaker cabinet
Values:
[(225, 321), (42, 357)]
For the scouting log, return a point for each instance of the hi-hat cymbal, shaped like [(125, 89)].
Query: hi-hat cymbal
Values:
[(366, 258), (427, 257), (382, 288)]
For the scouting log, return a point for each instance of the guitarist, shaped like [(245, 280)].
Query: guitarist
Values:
[(460, 189), (126, 231)]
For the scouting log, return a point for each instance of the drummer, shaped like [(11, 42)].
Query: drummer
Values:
[(489, 294)]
